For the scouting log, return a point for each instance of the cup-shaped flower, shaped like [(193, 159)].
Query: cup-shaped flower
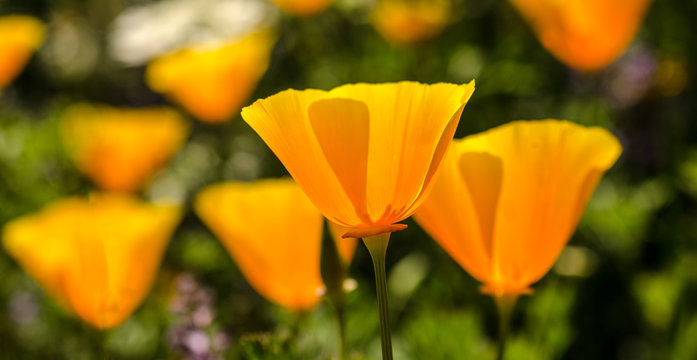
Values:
[(302, 7), (365, 154), (407, 21), (212, 81), (20, 36), (121, 148), (97, 256), (507, 200), (274, 234), (584, 34)]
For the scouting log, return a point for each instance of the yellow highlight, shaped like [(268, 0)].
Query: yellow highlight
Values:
[(20, 36), (121, 148), (365, 154), (508, 200), (212, 82), (273, 233), (584, 34), (97, 256)]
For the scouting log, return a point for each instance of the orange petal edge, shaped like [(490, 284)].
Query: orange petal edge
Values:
[(365, 232)]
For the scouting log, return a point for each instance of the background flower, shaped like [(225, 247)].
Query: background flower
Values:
[(584, 34), (212, 81), (82, 251), (120, 149), (509, 199), (274, 234), (408, 21), (20, 36)]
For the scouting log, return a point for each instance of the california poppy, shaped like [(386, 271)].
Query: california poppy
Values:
[(213, 81), (20, 36), (508, 200), (365, 154), (121, 148), (408, 21), (81, 251), (584, 34), (273, 232)]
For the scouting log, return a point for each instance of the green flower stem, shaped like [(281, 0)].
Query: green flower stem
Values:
[(377, 246), (504, 305)]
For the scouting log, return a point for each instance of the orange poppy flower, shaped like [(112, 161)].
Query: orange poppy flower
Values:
[(364, 153), (212, 82), (584, 34), (302, 7), (81, 251), (508, 200), (121, 148), (274, 234), (406, 21), (20, 36)]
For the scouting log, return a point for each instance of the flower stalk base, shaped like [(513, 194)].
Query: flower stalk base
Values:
[(377, 246), (504, 306)]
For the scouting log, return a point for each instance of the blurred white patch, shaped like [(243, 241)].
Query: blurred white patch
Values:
[(350, 285), (71, 50), (407, 274), (466, 63), (575, 261), (145, 32)]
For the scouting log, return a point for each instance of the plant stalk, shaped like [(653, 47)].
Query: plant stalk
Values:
[(377, 246), (504, 305)]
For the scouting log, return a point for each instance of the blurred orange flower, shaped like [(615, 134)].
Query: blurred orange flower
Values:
[(408, 21), (364, 153), (121, 148), (584, 34), (212, 82), (82, 252), (302, 7), (20, 36), (274, 234), (346, 247), (508, 200)]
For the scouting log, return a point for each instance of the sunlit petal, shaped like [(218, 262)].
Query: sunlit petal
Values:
[(342, 128), (282, 121)]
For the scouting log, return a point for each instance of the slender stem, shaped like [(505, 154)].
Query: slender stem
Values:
[(341, 316), (377, 246), (504, 305)]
